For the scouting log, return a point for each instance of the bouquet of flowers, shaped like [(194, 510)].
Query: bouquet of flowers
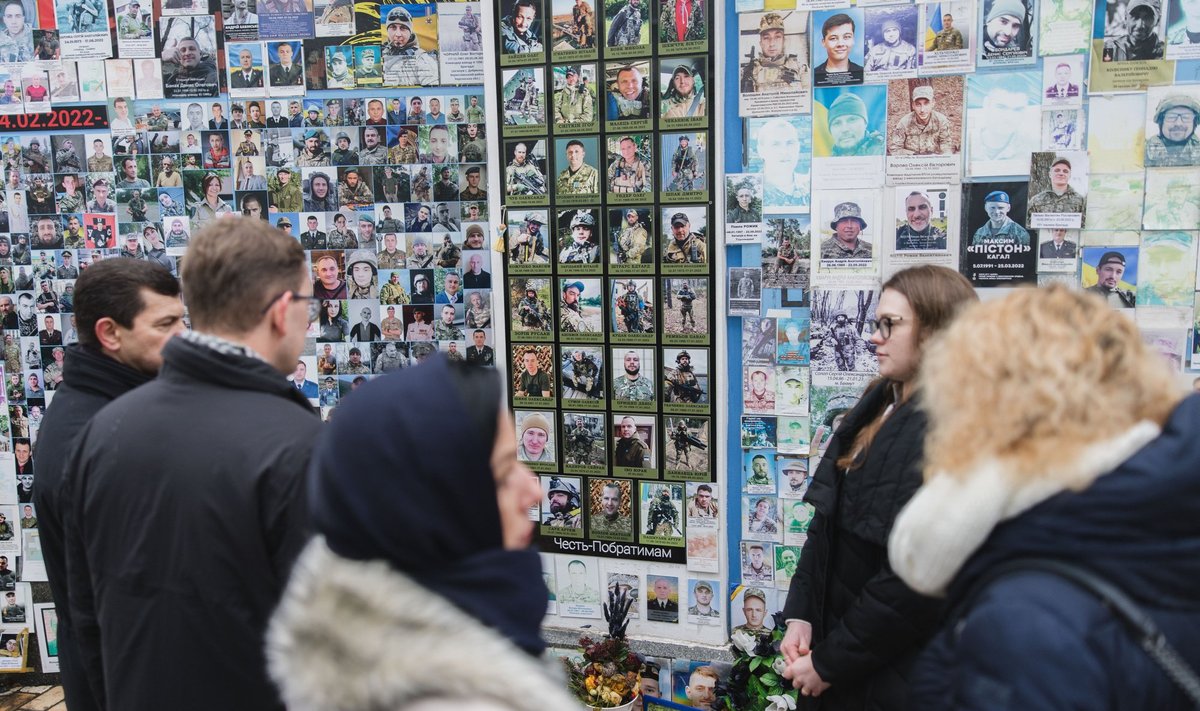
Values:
[(610, 673), (756, 682)]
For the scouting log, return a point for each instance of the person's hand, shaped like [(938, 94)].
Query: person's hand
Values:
[(805, 677), (796, 640)]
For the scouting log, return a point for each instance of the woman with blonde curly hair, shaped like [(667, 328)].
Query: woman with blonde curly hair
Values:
[(1054, 433), (853, 627)]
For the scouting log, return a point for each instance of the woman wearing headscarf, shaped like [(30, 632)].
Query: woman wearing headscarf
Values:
[(420, 589), (1054, 433), (853, 627)]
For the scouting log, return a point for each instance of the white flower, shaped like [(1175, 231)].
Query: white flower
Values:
[(781, 703), (744, 641), (779, 665)]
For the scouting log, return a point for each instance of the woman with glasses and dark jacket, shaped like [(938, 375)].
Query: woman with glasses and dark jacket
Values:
[(853, 627)]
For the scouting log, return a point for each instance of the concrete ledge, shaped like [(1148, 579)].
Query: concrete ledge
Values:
[(566, 637)]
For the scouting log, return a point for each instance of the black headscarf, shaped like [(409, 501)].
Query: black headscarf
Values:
[(403, 474)]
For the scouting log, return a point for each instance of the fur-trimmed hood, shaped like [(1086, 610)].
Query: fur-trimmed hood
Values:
[(361, 636), (951, 516)]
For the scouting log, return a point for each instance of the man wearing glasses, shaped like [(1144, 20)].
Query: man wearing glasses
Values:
[(1176, 143), (222, 495)]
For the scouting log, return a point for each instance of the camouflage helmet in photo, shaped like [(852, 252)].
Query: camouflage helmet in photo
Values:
[(682, 355), (770, 21), (534, 217), (584, 218), (398, 16), (362, 256), (558, 484), (1173, 101)]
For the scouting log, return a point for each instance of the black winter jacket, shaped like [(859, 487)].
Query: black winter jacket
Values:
[(1034, 642), (187, 510), (867, 624), (91, 380)]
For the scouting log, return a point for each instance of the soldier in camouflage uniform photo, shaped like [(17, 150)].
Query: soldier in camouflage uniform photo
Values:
[(633, 385), (630, 240), (578, 178), (573, 103), (1176, 143), (772, 68), (607, 514), (562, 508), (923, 131)]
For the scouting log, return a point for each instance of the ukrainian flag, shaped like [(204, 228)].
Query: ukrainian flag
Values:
[(934, 12)]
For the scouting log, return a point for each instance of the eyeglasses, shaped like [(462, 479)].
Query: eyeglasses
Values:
[(884, 325), (314, 304)]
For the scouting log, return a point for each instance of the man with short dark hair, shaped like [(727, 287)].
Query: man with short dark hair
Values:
[(479, 352), (125, 311), (215, 510)]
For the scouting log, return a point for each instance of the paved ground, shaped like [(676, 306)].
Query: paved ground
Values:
[(33, 698)]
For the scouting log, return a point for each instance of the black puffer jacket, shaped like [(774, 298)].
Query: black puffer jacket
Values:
[(91, 380), (867, 624), (185, 509)]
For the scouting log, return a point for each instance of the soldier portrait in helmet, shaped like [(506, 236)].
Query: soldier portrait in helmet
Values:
[(578, 237), (662, 520), (1172, 117), (683, 95), (584, 442), (522, 32), (562, 506), (531, 312), (773, 63), (577, 179), (685, 380), (630, 240), (631, 310), (575, 108), (529, 242), (610, 509), (583, 376), (537, 444)]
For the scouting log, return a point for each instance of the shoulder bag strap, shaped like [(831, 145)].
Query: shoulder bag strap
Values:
[(1138, 623)]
